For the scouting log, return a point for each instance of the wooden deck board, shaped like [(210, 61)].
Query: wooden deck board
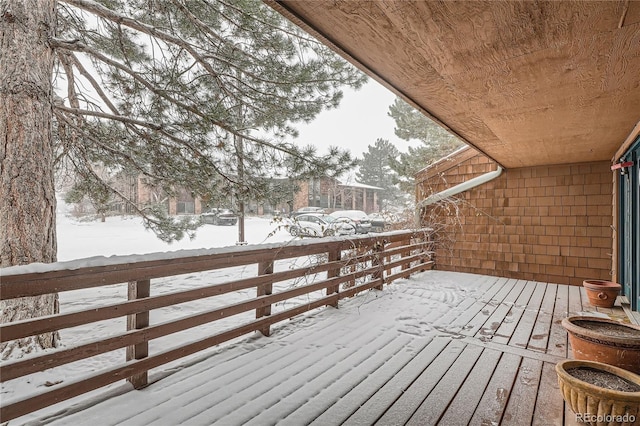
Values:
[(449, 319), (586, 306), (574, 306), (386, 363), (575, 300), (511, 320), (369, 412), (459, 318), (540, 334), (488, 315), (343, 408), (549, 407), (496, 395), (464, 404), (489, 305), (557, 335), (495, 320), (438, 400), (519, 409), (412, 397), (487, 360), (521, 335)]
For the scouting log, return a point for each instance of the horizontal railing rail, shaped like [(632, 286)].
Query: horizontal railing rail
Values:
[(342, 268)]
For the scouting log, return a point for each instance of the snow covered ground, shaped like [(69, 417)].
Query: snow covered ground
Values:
[(127, 236)]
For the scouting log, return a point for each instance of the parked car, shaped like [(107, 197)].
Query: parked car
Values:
[(320, 225), (378, 222), (303, 210), (358, 217), (219, 217), (207, 217), (381, 221)]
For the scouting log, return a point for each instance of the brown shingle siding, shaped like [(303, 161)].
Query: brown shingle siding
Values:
[(549, 223)]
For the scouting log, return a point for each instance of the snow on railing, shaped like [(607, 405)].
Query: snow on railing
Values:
[(334, 268)]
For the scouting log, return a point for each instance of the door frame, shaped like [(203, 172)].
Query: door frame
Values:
[(629, 226)]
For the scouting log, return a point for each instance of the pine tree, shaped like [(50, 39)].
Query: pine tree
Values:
[(192, 94), (375, 169), (436, 142), (27, 196), (159, 88)]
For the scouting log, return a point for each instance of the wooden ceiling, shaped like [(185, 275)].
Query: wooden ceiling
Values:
[(526, 82)]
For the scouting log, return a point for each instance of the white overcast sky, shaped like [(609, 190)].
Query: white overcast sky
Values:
[(360, 119)]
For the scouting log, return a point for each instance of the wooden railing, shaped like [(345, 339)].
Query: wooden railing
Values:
[(346, 266)]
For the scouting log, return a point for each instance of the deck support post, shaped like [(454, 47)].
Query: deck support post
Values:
[(138, 290), (264, 268)]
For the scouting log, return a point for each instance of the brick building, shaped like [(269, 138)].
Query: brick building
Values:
[(334, 195), (183, 202), (324, 192)]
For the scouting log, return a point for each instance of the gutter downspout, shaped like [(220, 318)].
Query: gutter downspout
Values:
[(464, 186)]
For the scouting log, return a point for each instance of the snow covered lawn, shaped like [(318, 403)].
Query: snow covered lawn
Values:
[(127, 236)]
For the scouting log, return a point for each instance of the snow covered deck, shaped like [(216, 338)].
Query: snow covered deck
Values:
[(440, 347)]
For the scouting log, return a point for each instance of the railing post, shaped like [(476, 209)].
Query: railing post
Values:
[(406, 253), (387, 258), (378, 260), (426, 247), (264, 268), (138, 290), (334, 256)]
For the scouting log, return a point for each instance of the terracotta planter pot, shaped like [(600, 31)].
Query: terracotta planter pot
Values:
[(597, 405), (601, 293), (604, 340)]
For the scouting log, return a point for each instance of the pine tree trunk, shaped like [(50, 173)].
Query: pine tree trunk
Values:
[(27, 196)]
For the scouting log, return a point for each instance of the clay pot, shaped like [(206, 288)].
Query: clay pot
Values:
[(604, 340), (596, 405), (601, 293)]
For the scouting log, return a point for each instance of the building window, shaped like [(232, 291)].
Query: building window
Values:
[(186, 207)]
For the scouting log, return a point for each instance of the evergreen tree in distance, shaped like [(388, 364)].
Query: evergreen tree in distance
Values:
[(436, 142), (375, 169), (186, 94)]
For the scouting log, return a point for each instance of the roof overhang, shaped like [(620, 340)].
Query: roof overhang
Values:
[(527, 83)]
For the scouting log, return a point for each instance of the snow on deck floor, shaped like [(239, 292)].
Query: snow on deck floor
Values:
[(320, 367)]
